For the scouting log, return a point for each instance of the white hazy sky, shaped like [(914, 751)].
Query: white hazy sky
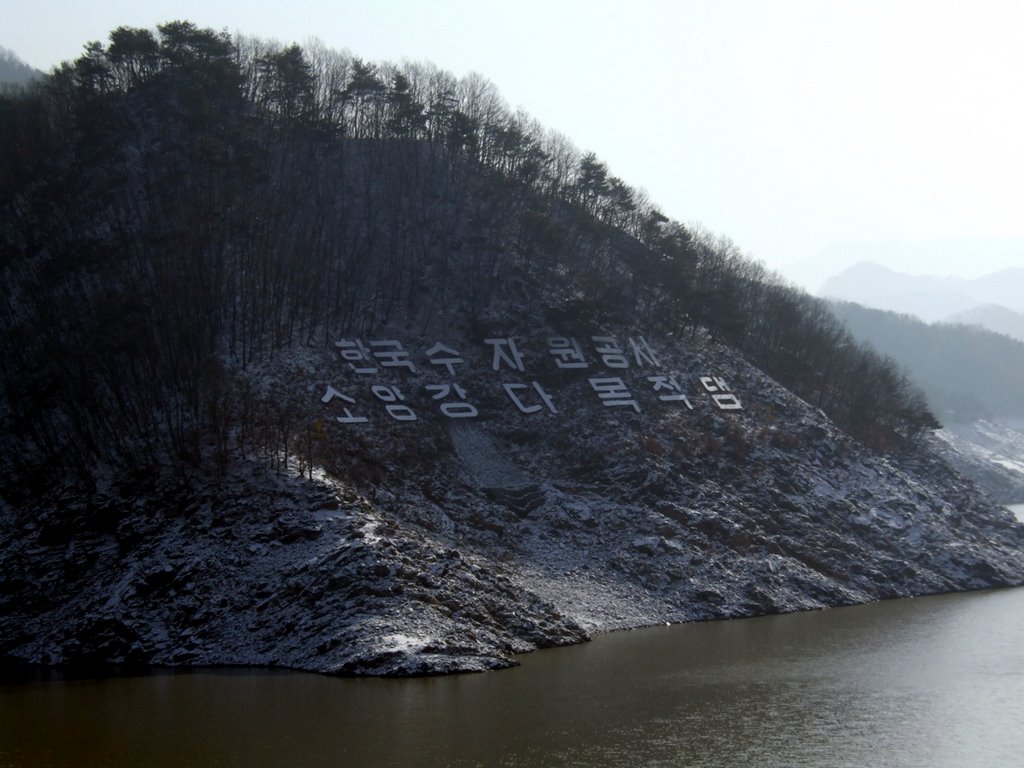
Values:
[(798, 128)]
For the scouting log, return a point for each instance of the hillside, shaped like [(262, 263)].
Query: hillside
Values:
[(994, 318), (971, 378), (966, 372), (989, 452), (444, 544), (324, 364), (14, 71)]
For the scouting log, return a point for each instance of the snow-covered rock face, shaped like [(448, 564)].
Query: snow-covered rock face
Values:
[(452, 544), (989, 452)]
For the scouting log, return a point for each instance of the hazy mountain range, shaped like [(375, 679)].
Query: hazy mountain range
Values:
[(920, 257), (994, 301)]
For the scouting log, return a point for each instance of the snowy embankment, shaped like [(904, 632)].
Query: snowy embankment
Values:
[(454, 545)]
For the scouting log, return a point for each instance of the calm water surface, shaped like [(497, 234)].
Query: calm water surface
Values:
[(928, 682)]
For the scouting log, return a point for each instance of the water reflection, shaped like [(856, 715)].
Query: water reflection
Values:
[(936, 682)]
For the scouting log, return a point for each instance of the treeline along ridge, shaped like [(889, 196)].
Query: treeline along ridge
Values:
[(180, 205)]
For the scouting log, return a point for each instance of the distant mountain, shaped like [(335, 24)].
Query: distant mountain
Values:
[(994, 318), (15, 71), (929, 297), (966, 372), (983, 255)]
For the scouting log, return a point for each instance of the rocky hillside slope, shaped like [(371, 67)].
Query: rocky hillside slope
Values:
[(636, 490), (989, 452), (324, 364)]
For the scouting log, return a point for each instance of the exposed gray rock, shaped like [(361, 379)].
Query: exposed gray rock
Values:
[(989, 452)]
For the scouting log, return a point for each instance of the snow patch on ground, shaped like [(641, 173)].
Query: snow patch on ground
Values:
[(991, 453)]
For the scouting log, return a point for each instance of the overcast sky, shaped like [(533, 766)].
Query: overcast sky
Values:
[(798, 128)]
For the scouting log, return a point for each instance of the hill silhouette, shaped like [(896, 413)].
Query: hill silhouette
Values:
[(14, 71)]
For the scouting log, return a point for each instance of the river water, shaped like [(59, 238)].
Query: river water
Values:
[(935, 682)]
